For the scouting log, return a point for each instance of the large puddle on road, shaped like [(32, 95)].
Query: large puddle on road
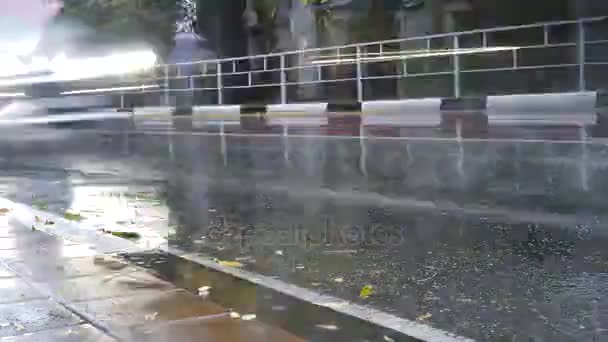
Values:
[(303, 319)]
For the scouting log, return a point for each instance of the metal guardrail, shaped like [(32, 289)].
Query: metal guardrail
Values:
[(357, 59), (452, 55)]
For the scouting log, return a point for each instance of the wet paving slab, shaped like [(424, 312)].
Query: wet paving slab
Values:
[(105, 286), (49, 269), (132, 303), (6, 273), (17, 290), (33, 316), (75, 333)]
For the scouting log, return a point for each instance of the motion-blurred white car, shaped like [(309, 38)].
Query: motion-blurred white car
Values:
[(49, 65)]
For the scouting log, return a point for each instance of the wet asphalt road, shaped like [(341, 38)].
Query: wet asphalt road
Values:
[(490, 240)]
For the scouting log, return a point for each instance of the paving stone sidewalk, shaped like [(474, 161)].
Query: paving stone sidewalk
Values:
[(52, 289)]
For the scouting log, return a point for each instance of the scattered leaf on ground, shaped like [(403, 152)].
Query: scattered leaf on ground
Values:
[(125, 235), (330, 327), (40, 205), (366, 291), (4, 211), (204, 291), (151, 317), (424, 317), (339, 280), (228, 263), (72, 216), (248, 317)]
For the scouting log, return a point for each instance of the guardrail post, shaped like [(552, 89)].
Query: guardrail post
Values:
[(286, 147), (166, 70), (456, 61), (283, 81), (223, 145), (359, 76), (582, 86), (220, 95), (363, 147)]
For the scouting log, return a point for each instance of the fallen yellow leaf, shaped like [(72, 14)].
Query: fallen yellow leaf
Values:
[(151, 317), (228, 263), (366, 291), (424, 317)]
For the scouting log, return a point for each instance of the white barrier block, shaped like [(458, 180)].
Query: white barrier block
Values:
[(560, 109), (413, 112), (203, 116), (297, 114), (80, 101), (153, 118)]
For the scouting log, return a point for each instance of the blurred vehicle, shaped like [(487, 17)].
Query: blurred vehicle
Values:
[(51, 64)]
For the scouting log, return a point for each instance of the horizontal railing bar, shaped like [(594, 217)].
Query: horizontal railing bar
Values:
[(414, 75), (523, 67), (594, 42)]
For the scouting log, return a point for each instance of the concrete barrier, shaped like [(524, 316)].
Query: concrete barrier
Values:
[(298, 114), (344, 118), (253, 117), (564, 109), (153, 118), (601, 111), (73, 102), (464, 117), (408, 113), (475, 115), (205, 116)]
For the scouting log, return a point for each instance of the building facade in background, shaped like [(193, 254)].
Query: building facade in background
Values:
[(283, 25)]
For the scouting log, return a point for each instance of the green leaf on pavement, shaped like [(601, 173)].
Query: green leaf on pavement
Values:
[(40, 205), (72, 216), (126, 235)]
